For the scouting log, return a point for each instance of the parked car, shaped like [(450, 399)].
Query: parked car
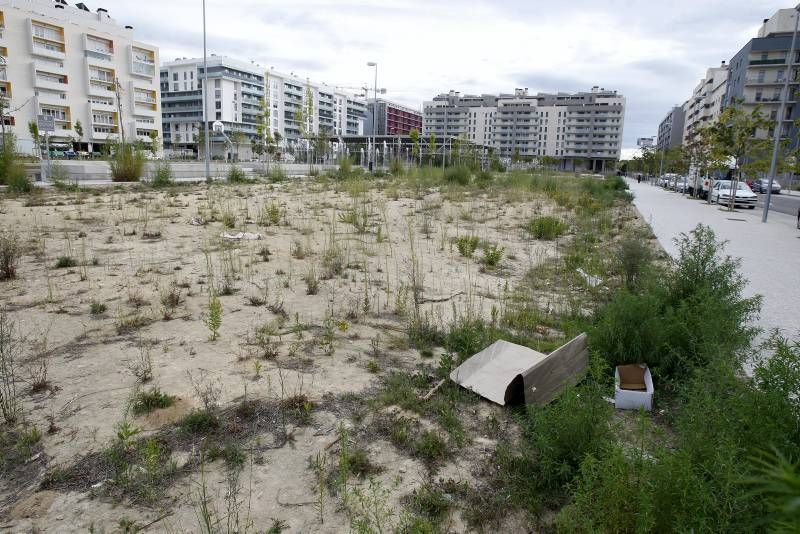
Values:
[(762, 185), (721, 194)]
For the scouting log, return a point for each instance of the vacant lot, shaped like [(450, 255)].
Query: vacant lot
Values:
[(169, 373)]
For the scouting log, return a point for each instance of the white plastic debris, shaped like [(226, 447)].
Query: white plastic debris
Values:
[(197, 221), (246, 236), (592, 281)]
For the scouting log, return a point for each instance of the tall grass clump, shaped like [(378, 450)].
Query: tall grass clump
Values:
[(459, 175), (546, 227), (10, 252), (127, 163), (162, 175), (277, 174), (236, 175)]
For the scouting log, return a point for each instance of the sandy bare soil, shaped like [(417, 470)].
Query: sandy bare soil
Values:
[(314, 319)]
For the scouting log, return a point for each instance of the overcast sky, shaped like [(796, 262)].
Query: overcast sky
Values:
[(654, 53)]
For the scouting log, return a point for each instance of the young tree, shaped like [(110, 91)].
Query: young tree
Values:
[(78, 129), (733, 139), (33, 129), (431, 148), (154, 143), (238, 138), (416, 153)]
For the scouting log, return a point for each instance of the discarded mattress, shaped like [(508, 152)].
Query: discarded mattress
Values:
[(506, 373)]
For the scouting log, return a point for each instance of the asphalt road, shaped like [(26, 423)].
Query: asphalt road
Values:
[(782, 203)]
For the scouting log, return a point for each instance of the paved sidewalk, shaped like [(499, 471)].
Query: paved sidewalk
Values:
[(770, 252)]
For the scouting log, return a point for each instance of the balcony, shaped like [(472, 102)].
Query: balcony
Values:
[(53, 67), (39, 48), (49, 84), (53, 99), (101, 90), (776, 61), (103, 106)]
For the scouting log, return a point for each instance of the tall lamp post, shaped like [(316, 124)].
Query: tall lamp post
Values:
[(779, 126), (371, 155), (205, 99)]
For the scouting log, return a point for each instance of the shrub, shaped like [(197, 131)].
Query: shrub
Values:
[(162, 175), (97, 308), (10, 252), (685, 318), (146, 401), (277, 174), (345, 168), (467, 245), (199, 422), (236, 175), (127, 163), (555, 440), (457, 175), (492, 255), (484, 178), (546, 227), (632, 256), (64, 262), (396, 167), (17, 181)]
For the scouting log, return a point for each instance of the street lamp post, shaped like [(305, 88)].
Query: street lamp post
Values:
[(779, 126), (207, 139), (371, 155)]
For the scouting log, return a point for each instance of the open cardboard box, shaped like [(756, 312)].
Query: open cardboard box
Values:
[(633, 387)]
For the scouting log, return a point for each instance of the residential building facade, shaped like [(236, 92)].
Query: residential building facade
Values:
[(758, 72), (706, 103), (670, 131), (391, 118), (582, 129), (79, 68), (239, 94)]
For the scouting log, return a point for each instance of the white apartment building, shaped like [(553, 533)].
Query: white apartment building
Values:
[(240, 91), (236, 92), (76, 66), (580, 129), (705, 105)]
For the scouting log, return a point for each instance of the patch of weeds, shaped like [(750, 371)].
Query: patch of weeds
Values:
[(271, 215), (492, 255), (199, 422), (153, 399), (467, 245), (546, 227), (10, 253), (430, 447), (430, 503), (231, 453), (97, 308), (64, 262)]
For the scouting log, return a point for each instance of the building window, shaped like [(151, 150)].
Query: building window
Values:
[(219, 115), (217, 83), (176, 86), (218, 104), (174, 76)]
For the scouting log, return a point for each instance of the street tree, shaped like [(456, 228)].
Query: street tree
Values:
[(733, 139)]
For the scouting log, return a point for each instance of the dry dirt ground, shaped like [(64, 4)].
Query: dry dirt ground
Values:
[(314, 317)]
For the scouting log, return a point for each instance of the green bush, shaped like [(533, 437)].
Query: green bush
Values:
[(236, 175), (152, 399), (345, 169), (546, 227), (277, 174), (396, 167), (127, 164), (555, 440), (681, 319), (162, 175), (632, 257), (467, 244), (457, 175), (492, 255), (199, 422)]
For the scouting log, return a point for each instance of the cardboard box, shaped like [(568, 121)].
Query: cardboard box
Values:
[(633, 387)]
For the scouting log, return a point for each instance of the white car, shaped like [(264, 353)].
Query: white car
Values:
[(721, 194)]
